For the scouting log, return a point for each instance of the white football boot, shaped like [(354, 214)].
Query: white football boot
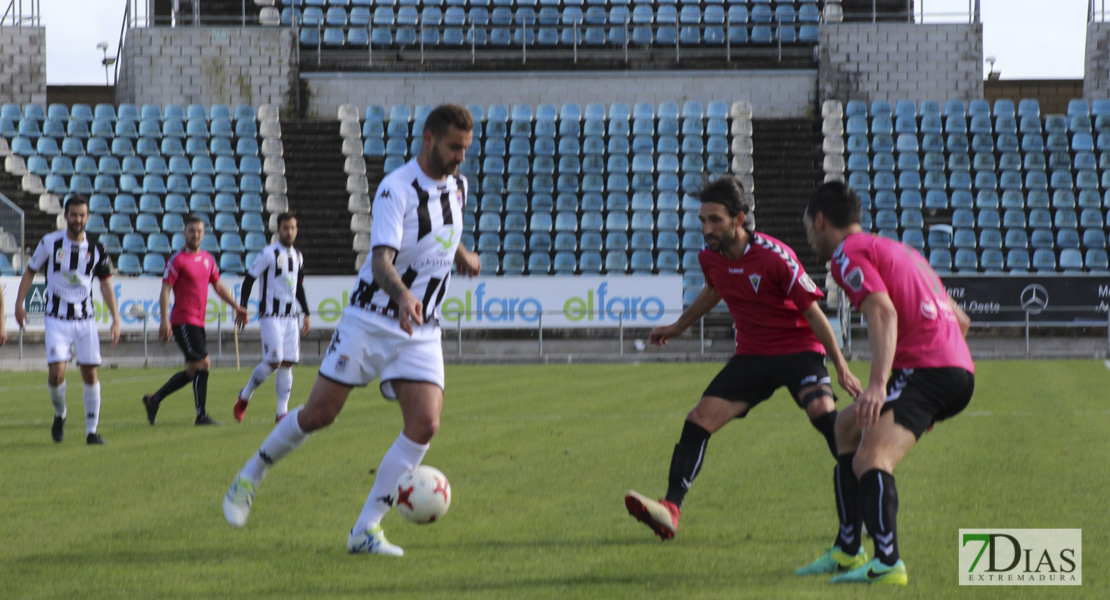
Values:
[(372, 541)]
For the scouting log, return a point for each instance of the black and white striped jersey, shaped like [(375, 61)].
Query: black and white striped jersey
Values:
[(70, 268), (279, 270), (422, 219)]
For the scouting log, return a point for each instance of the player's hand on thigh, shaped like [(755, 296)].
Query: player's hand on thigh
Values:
[(869, 404)]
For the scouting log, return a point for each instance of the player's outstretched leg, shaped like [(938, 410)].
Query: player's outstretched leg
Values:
[(284, 438), (661, 516), (257, 378), (151, 402)]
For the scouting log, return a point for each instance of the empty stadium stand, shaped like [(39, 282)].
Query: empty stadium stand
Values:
[(358, 33), (569, 189), (982, 188)]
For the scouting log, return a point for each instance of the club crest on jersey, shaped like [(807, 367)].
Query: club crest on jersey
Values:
[(755, 279), (341, 364), (60, 255), (854, 279)]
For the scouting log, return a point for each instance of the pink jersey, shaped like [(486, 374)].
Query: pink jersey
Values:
[(928, 332), (190, 273), (766, 291)]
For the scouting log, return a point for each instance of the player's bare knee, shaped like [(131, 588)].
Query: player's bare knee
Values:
[(704, 419), (55, 379), (89, 376), (316, 416), (868, 459), (422, 430)]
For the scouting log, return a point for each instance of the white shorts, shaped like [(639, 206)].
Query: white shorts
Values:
[(281, 339), (82, 335), (367, 345)]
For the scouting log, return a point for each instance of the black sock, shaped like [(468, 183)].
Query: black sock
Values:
[(847, 505), (178, 381), (200, 391), (879, 501), (826, 424), (686, 461)]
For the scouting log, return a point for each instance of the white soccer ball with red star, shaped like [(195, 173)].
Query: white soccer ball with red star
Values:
[(423, 495)]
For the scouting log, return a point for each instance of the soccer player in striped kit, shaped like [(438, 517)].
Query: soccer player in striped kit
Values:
[(189, 272), (71, 259), (280, 268), (391, 328)]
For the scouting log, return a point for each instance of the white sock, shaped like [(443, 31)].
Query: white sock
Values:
[(92, 407), (285, 438), (58, 398), (403, 456), (258, 377), (283, 385)]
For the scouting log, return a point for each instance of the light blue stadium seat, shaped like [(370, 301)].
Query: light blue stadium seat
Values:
[(129, 264), (231, 263)]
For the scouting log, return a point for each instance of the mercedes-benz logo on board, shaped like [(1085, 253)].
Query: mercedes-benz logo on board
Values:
[(1034, 298)]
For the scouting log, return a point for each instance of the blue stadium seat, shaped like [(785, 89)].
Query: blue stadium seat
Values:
[(129, 264)]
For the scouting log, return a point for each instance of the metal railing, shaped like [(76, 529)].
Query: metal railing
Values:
[(14, 15), (949, 11), (850, 320), (1096, 11), (12, 231), (523, 37)]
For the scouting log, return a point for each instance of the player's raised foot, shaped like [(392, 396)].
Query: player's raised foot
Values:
[(661, 516), (58, 429), (240, 409), (278, 418), (875, 572), (95, 439), (151, 408), (204, 419), (834, 560), (237, 502), (372, 541)]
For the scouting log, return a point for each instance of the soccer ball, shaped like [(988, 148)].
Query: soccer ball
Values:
[(423, 495)]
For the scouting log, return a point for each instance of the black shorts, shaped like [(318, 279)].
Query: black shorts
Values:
[(921, 397), (752, 379), (191, 339)]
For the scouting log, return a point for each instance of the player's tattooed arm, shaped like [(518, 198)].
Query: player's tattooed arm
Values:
[(409, 309)]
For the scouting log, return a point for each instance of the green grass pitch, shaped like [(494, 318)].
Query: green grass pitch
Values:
[(539, 458)]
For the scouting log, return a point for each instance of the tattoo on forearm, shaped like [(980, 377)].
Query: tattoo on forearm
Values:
[(381, 265)]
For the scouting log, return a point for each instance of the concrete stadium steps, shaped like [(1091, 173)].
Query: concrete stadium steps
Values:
[(787, 159), (36, 222), (317, 190)]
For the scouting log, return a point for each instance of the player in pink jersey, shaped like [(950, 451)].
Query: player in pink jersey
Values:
[(188, 274), (782, 337), (921, 373)]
